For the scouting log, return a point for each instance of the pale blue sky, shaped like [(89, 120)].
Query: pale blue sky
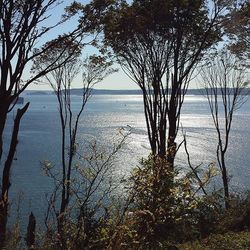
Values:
[(117, 80)]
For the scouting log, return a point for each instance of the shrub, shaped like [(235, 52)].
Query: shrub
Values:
[(164, 206)]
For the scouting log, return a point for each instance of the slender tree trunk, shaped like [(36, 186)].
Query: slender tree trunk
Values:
[(150, 127), (162, 135), (171, 146), (225, 180), (3, 116), (60, 215), (31, 229), (4, 201)]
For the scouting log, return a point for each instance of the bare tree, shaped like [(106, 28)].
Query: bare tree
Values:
[(91, 190), (94, 69), (20, 31), (225, 83), (61, 80)]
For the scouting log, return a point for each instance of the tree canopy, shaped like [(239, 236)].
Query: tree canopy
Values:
[(237, 27)]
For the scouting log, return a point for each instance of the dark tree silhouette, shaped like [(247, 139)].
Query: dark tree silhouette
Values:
[(20, 30), (158, 44), (237, 27)]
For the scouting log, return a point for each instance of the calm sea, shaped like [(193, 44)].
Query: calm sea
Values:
[(102, 118)]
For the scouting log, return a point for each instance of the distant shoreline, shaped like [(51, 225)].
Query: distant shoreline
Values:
[(117, 92)]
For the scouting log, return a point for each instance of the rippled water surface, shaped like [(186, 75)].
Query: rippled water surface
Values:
[(40, 139)]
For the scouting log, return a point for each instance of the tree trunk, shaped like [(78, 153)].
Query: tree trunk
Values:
[(31, 229), (171, 146), (4, 105), (6, 175), (225, 181)]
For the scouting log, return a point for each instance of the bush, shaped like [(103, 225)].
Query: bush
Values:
[(237, 217), (164, 206)]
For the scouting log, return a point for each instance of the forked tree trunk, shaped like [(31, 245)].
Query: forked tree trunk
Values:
[(4, 199)]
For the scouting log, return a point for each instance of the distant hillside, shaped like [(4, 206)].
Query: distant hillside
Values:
[(109, 92), (118, 92), (36, 92), (125, 92), (139, 92)]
